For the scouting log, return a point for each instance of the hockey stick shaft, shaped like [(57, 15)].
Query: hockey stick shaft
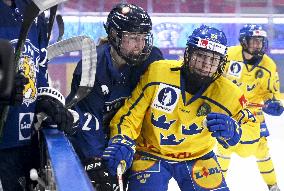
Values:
[(119, 176), (60, 24)]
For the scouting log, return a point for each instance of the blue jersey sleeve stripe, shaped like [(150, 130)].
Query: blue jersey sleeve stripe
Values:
[(218, 104), (249, 142)]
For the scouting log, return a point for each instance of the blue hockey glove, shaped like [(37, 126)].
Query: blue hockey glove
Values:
[(273, 107), (120, 150), (224, 128), (264, 130)]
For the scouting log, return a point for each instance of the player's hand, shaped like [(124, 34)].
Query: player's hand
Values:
[(224, 128), (18, 89), (120, 150), (273, 107), (100, 177), (54, 108)]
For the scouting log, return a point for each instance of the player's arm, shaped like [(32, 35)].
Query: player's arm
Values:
[(272, 103), (126, 125)]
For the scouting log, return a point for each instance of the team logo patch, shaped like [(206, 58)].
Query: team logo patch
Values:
[(235, 69), (25, 122), (259, 74), (207, 174), (203, 110), (243, 101), (166, 98)]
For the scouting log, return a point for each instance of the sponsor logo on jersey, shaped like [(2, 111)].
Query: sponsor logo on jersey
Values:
[(235, 69), (166, 98), (207, 174), (25, 122), (203, 110)]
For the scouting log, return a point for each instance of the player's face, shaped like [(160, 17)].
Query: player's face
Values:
[(204, 63), (132, 44), (255, 44)]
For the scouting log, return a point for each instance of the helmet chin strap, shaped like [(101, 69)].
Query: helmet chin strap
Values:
[(118, 62)]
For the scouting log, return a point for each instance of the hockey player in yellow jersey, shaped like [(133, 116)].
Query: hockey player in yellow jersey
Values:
[(174, 117), (255, 73)]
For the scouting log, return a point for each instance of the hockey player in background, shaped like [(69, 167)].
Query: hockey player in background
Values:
[(122, 59), (174, 117), (17, 153), (256, 74)]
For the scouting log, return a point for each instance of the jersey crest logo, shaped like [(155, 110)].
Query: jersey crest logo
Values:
[(170, 140), (235, 69), (105, 89), (161, 122), (30, 90), (203, 110), (259, 74), (166, 98), (237, 83), (250, 88), (191, 130)]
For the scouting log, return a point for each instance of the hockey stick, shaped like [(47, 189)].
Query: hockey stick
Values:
[(60, 24), (31, 12), (119, 173), (52, 15), (89, 63)]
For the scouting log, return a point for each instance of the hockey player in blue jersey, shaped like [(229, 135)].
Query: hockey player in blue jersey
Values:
[(121, 60), (17, 153)]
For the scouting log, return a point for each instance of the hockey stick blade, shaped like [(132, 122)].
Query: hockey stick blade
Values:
[(46, 4), (60, 24), (89, 64)]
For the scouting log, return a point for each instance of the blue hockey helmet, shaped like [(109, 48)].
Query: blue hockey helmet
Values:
[(128, 18), (207, 43), (250, 31)]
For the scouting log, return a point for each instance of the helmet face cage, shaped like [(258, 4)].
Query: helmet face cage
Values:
[(125, 20), (205, 54), (253, 35), (206, 72)]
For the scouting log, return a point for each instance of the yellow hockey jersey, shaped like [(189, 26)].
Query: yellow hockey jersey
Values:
[(168, 122), (259, 83)]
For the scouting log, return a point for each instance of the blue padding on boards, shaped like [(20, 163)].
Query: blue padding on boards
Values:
[(68, 172)]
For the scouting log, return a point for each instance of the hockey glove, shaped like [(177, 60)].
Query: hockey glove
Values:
[(17, 93), (226, 130), (100, 177), (120, 150), (273, 107), (51, 102), (264, 130)]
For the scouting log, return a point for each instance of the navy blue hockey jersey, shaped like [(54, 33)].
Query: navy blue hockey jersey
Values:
[(112, 87), (17, 130)]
